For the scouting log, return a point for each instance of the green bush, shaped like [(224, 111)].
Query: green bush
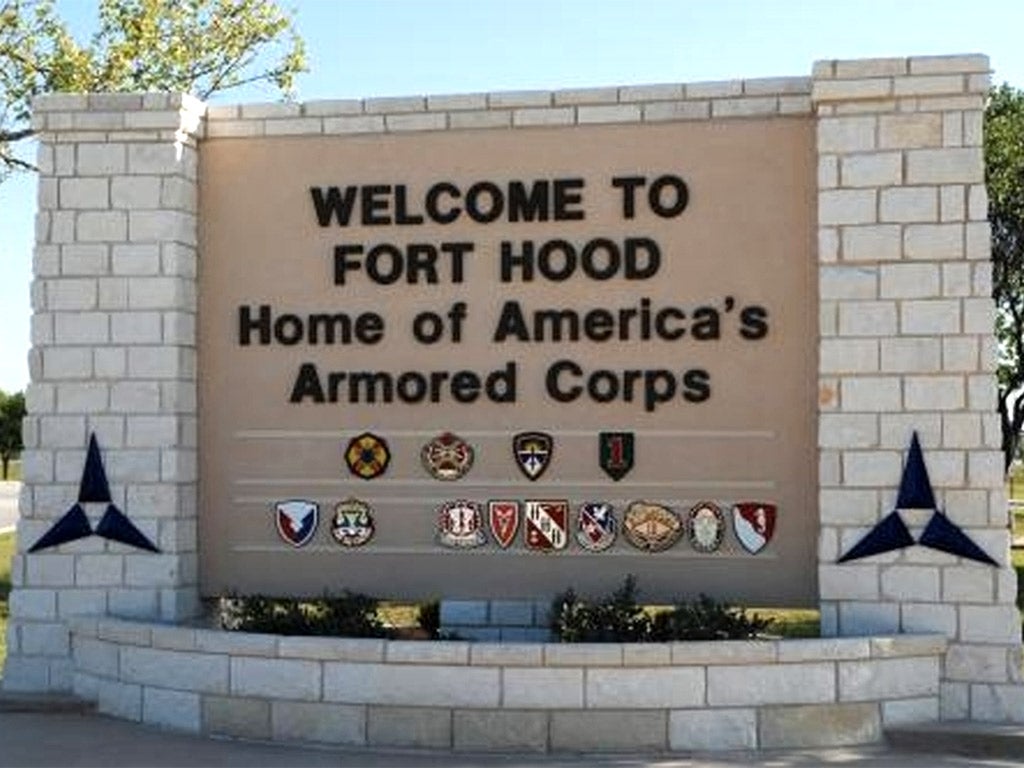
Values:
[(347, 615), (428, 618), (619, 618)]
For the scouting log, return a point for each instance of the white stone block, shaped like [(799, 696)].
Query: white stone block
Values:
[(867, 318), (199, 672), (934, 241), (95, 570), (880, 242), (990, 624), (101, 159), (909, 204), (714, 89), (156, 363), (848, 356), (718, 729), (900, 582), (771, 684), (96, 657), (877, 169), (619, 113), (644, 688), (155, 159), (456, 102), (276, 678), (85, 193), (120, 700), (356, 124), (849, 90), (909, 281), (848, 506), (961, 430), (956, 279), (543, 688), (997, 703), (930, 316), (933, 393), (856, 618), (95, 226), (136, 328), (171, 709), (848, 282), (135, 397), (846, 206), (866, 469), (908, 711), (910, 131), (545, 116), (952, 165), (135, 260), (677, 110), (872, 394), (71, 294), (50, 570), (849, 582), (434, 685), (81, 328), (135, 192), (888, 678), (432, 121), (656, 92), (45, 639), (495, 118), (911, 355), (977, 663), (960, 354), (744, 107)]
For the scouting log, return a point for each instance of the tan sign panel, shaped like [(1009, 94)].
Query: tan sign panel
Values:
[(640, 296)]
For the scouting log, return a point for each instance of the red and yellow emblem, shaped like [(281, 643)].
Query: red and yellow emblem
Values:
[(367, 456)]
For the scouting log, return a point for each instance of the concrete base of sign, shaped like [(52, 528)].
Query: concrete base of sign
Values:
[(524, 697)]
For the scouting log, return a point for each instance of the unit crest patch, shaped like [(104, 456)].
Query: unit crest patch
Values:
[(353, 524), (533, 452), (651, 527), (546, 525), (595, 526), (460, 524), (705, 527), (503, 518), (296, 520), (615, 452), (367, 456), (754, 524), (447, 457)]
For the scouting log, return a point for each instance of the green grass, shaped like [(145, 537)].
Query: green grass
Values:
[(1015, 485), (6, 553), (14, 470)]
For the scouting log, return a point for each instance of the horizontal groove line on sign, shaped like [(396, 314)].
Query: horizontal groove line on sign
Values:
[(455, 487), (703, 434), (680, 551)]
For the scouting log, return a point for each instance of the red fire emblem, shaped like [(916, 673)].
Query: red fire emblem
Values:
[(503, 517)]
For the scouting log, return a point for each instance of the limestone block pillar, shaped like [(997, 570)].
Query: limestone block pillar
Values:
[(113, 354), (907, 344)]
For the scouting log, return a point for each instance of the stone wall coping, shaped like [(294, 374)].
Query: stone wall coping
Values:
[(484, 654)]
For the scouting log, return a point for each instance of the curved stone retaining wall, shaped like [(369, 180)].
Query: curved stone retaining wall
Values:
[(488, 696)]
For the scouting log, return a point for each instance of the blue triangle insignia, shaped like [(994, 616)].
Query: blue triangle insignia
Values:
[(915, 486), (72, 525), (944, 535), (889, 534), (94, 486), (117, 527)]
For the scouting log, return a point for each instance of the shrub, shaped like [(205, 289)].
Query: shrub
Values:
[(428, 618), (619, 618), (347, 615)]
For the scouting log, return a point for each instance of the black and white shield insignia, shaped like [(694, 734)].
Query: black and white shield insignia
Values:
[(533, 453), (616, 453)]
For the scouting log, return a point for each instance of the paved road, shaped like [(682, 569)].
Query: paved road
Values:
[(69, 739), (8, 504)]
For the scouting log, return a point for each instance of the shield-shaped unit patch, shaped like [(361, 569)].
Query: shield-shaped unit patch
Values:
[(546, 525), (651, 527), (754, 524), (296, 520), (705, 527), (533, 452), (367, 456), (352, 525), (615, 451), (595, 526), (503, 518), (460, 524), (447, 457)]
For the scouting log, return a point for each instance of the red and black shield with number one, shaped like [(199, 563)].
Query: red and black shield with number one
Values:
[(616, 453)]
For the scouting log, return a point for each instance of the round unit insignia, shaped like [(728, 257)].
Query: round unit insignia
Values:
[(352, 525), (651, 527), (296, 520), (595, 526), (460, 524), (367, 456), (705, 527), (447, 457)]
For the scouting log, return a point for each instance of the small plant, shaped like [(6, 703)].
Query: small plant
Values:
[(707, 619), (347, 615), (619, 618)]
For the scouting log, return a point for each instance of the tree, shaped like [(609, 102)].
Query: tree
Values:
[(200, 47), (1004, 176), (12, 411)]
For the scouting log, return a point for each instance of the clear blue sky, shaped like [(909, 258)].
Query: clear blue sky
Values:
[(402, 47)]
